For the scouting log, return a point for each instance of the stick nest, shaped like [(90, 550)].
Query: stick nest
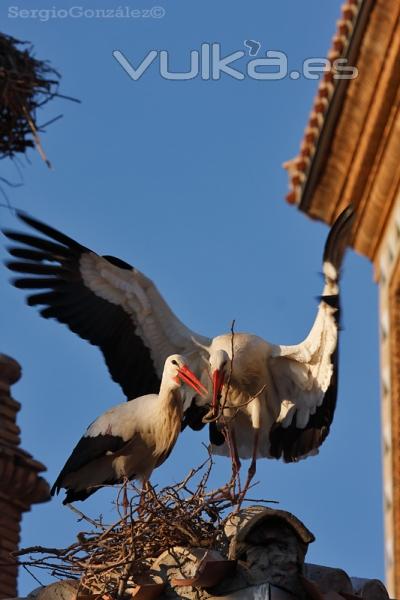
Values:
[(110, 556), (26, 84)]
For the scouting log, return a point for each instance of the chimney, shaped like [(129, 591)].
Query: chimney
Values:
[(20, 483)]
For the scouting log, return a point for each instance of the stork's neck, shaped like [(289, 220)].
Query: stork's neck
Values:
[(169, 417), (170, 394)]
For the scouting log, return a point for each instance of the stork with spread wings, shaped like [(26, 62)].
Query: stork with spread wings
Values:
[(279, 400)]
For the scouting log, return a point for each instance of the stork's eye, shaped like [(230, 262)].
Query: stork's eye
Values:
[(174, 363)]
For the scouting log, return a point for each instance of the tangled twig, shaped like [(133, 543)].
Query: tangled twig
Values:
[(108, 558), (26, 84)]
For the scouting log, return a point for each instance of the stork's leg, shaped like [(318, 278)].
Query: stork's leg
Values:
[(256, 424), (125, 501), (253, 465), (230, 436), (236, 464), (145, 489)]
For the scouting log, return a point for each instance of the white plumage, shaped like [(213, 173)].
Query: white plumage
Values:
[(129, 440), (117, 308), (275, 400), (272, 391)]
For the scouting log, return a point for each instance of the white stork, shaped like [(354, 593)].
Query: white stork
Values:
[(280, 400), (282, 397), (129, 440)]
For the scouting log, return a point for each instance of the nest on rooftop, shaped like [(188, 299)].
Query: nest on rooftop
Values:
[(108, 559), (26, 84)]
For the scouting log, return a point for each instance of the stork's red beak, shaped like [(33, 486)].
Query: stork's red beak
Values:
[(218, 382), (190, 378)]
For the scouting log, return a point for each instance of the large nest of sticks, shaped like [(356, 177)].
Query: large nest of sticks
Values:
[(26, 84), (107, 558)]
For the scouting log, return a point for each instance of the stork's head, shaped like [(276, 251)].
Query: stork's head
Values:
[(220, 364), (177, 372)]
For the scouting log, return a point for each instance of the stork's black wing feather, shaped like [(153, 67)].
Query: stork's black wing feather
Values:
[(193, 416), (88, 449), (52, 266)]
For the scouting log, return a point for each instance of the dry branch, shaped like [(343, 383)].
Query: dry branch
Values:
[(107, 555), (26, 84)]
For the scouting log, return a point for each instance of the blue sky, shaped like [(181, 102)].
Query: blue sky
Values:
[(185, 177)]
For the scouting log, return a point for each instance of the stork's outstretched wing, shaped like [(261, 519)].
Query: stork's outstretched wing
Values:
[(105, 301), (304, 376)]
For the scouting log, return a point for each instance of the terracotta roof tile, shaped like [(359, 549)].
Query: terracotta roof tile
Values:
[(298, 167)]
